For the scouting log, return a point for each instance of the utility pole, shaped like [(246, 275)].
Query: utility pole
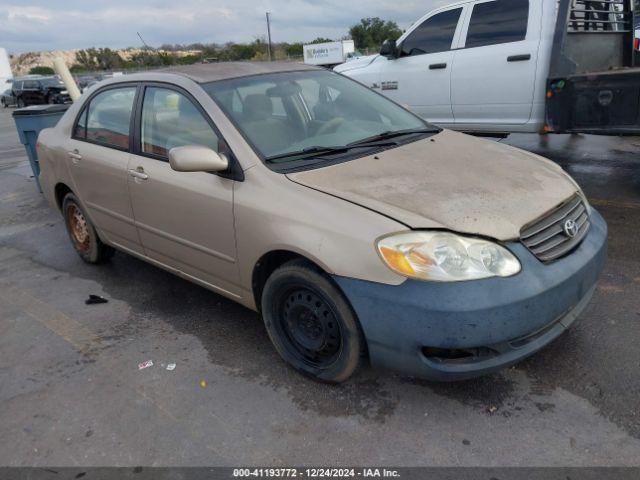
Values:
[(269, 34), (143, 42)]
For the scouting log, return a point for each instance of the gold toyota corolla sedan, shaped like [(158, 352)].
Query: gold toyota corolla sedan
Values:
[(356, 228)]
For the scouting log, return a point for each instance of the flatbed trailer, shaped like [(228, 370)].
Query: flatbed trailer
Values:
[(593, 84)]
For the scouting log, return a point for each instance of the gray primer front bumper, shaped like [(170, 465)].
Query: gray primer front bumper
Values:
[(514, 316)]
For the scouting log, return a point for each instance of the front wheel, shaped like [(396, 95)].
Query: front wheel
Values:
[(311, 324), (82, 233)]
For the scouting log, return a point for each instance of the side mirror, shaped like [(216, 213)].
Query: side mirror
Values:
[(389, 49), (195, 158)]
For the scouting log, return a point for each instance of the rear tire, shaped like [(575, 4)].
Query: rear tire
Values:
[(82, 233), (311, 323)]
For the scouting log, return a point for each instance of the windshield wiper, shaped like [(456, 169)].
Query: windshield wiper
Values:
[(308, 152), (316, 151), (391, 134)]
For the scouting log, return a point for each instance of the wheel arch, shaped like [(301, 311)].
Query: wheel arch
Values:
[(60, 191), (270, 262)]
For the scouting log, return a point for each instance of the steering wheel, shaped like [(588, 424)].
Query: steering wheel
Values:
[(331, 126)]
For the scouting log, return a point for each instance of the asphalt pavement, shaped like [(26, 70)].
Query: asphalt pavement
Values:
[(72, 394)]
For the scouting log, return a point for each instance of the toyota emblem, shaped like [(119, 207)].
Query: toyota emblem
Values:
[(571, 228)]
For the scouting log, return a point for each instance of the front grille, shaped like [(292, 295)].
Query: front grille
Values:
[(547, 238)]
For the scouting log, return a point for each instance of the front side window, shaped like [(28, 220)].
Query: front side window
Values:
[(30, 85), (500, 21), (297, 112), (434, 35), (109, 117), (170, 119)]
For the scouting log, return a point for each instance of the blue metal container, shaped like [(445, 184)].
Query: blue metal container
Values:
[(30, 121)]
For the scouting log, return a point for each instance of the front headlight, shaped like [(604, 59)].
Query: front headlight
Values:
[(446, 257)]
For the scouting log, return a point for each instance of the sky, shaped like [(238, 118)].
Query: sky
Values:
[(61, 25)]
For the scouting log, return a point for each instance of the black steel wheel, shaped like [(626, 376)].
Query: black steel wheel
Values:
[(310, 323), (310, 326)]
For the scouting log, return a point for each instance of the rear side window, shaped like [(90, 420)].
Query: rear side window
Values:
[(29, 85), (434, 35), (109, 117), (80, 130), (170, 119), (501, 21)]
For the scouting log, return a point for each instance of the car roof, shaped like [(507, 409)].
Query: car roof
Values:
[(211, 72)]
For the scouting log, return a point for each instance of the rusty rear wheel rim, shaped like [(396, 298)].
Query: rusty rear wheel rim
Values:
[(78, 228)]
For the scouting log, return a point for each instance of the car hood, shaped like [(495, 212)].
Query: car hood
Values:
[(360, 62), (450, 181)]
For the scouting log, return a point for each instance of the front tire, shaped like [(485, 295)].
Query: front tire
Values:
[(311, 324), (82, 233)]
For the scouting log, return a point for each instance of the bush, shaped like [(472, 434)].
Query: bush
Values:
[(41, 71)]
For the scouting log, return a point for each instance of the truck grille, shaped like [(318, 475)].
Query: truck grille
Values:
[(550, 237)]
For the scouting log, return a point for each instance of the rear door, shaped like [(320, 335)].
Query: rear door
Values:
[(420, 78), (494, 71), (184, 219), (98, 155)]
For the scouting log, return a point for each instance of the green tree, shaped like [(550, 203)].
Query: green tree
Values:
[(371, 32), (99, 59), (41, 71), (321, 40), (292, 49)]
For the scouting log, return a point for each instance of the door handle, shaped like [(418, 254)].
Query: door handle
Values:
[(138, 173), (75, 156), (519, 58), (437, 66)]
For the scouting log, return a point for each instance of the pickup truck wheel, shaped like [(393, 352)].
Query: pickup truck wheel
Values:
[(82, 233), (311, 324)]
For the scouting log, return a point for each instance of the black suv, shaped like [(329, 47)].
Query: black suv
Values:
[(36, 91)]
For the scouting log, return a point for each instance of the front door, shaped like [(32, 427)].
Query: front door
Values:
[(98, 156), (494, 74), (185, 220), (420, 78)]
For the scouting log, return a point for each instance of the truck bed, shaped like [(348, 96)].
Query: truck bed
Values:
[(593, 86), (605, 102)]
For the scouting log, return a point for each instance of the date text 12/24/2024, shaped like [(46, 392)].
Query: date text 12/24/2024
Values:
[(315, 472)]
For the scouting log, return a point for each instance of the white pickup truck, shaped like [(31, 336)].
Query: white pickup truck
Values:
[(503, 66)]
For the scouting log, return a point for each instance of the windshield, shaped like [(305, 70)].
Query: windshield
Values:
[(290, 112)]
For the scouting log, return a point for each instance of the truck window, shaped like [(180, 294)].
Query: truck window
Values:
[(434, 35), (500, 21)]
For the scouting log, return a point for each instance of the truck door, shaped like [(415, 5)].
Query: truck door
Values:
[(420, 78), (494, 72)]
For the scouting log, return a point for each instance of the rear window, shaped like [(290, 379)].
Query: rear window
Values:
[(106, 120), (500, 21)]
